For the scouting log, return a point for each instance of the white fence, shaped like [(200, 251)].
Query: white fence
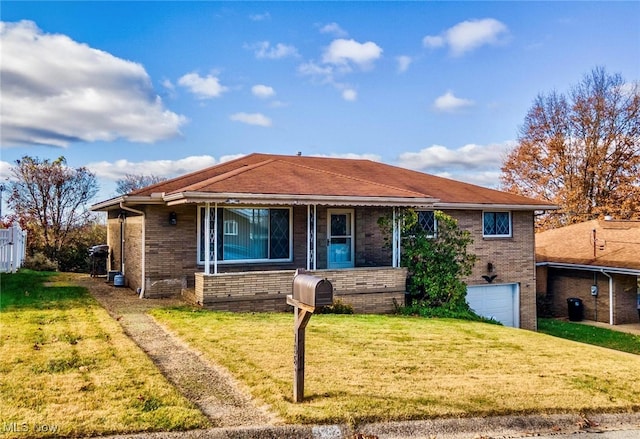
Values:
[(13, 247)]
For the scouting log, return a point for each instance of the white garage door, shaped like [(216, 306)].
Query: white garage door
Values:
[(500, 301)]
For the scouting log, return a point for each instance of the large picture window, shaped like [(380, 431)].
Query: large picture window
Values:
[(496, 224), (247, 234)]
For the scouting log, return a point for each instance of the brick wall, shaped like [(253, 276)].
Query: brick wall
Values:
[(513, 258), (114, 241), (132, 252), (171, 250), (368, 290)]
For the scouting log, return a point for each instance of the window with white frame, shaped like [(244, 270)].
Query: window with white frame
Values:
[(427, 222), (231, 228), (247, 234), (496, 224)]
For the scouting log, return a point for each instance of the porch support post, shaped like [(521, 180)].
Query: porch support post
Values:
[(215, 239), (207, 239), (395, 240), (311, 237)]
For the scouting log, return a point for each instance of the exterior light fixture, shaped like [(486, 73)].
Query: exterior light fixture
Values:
[(173, 218)]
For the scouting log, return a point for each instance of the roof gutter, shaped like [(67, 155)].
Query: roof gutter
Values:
[(494, 206), (114, 203), (142, 245), (585, 267)]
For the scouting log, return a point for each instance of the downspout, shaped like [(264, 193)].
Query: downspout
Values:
[(610, 296), (142, 246)]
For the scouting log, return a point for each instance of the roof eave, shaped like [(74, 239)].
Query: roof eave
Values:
[(499, 206), (296, 199)]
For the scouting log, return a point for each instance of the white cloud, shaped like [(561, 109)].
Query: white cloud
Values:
[(260, 17), (5, 171), (320, 73), (251, 119), (166, 83), (469, 35), (264, 50), (449, 103), (162, 168), (345, 53), (403, 63), (349, 94), (207, 87), (433, 42), (333, 29), (56, 91), (263, 91), (477, 164)]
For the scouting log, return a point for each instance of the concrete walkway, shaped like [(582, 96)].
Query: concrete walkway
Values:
[(207, 385), (631, 328)]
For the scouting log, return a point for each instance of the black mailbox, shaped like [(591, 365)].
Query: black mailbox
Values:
[(312, 290)]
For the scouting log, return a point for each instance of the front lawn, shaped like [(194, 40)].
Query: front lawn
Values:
[(591, 335), (67, 369), (376, 368)]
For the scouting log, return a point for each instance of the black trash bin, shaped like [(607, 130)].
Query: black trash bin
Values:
[(576, 309)]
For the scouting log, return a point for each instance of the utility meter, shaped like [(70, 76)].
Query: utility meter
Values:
[(594, 290)]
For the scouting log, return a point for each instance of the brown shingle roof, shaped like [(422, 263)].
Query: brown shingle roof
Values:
[(301, 175), (617, 244)]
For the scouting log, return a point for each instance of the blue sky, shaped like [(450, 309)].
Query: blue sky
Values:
[(165, 88)]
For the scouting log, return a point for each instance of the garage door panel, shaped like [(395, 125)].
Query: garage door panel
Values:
[(500, 302)]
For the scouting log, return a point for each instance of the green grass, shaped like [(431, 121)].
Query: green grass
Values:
[(381, 368), (593, 335), (67, 364)]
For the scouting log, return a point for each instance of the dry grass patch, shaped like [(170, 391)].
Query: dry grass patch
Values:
[(67, 365), (377, 368)]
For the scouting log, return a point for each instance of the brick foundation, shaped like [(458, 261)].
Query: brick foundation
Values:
[(367, 290)]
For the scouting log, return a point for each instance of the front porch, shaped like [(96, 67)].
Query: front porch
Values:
[(368, 290)]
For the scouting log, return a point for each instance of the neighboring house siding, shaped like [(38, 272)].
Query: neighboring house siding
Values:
[(625, 299), (564, 284)]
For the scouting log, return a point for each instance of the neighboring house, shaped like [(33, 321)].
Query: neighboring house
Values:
[(597, 262), (230, 236)]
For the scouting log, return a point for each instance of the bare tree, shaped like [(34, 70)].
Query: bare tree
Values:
[(132, 182), (581, 151), (49, 199)]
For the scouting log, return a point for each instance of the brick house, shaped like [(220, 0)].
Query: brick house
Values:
[(595, 261), (262, 216)]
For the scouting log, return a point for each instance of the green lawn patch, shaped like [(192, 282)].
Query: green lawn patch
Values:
[(67, 365), (604, 337), (382, 368)]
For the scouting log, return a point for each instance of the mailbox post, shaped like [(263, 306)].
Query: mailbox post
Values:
[(308, 293)]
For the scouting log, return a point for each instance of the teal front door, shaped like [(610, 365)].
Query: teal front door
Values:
[(340, 238)]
